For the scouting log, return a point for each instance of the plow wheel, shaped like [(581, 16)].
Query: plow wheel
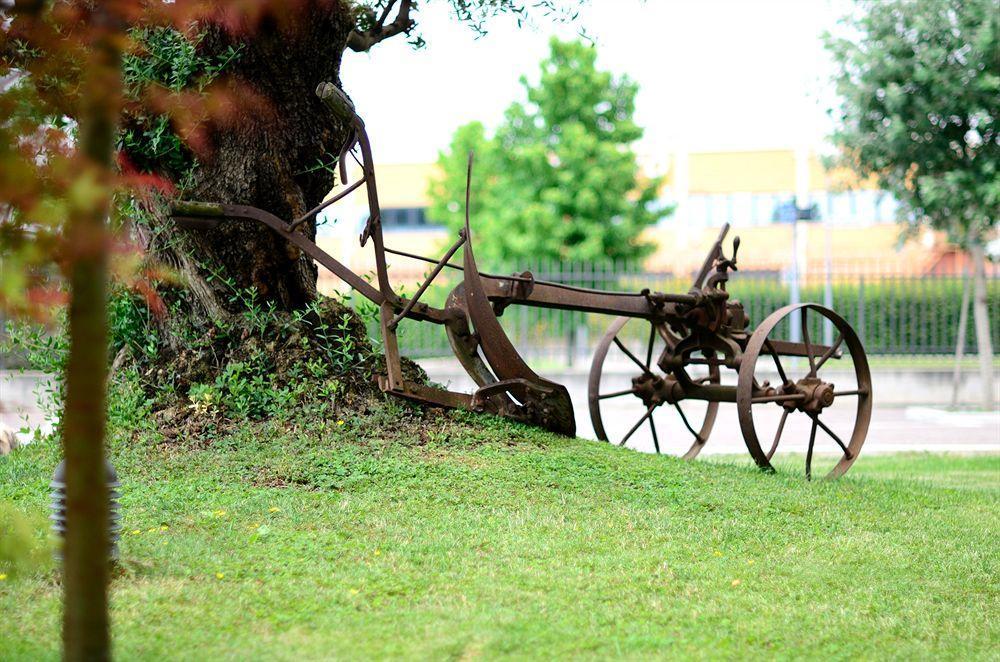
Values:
[(639, 407), (812, 395)]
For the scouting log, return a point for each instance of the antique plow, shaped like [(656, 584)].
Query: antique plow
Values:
[(688, 339)]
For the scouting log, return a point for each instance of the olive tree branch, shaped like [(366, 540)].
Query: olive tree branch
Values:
[(362, 40)]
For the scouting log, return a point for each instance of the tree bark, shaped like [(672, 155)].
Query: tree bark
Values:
[(963, 325), (980, 312), (86, 633), (266, 156)]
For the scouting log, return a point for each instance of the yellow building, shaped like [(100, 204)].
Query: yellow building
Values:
[(852, 224)]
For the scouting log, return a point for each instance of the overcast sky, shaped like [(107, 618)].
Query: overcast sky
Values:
[(713, 74)]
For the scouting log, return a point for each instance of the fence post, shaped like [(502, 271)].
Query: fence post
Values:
[(861, 310), (795, 295), (568, 319), (827, 284), (3, 338)]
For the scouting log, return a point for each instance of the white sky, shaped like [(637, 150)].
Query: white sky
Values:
[(713, 74)]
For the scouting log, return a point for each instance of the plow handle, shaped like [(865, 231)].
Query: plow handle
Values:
[(713, 254), (343, 109)]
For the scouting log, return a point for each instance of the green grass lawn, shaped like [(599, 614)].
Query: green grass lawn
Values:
[(478, 537)]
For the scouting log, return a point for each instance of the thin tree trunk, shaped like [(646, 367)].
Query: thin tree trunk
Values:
[(86, 633), (980, 313), (963, 324)]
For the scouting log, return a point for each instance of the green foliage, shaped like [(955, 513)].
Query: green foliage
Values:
[(130, 323), (243, 389), (169, 59), (248, 390), (328, 345), (23, 543), (46, 350), (331, 341), (920, 81), (129, 407), (323, 341), (558, 179), (474, 13)]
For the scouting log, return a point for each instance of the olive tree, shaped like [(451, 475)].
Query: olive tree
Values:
[(920, 84)]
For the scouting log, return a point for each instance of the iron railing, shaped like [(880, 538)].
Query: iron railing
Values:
[(893, 313)]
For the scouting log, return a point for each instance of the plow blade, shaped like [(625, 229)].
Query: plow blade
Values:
[(525, 395)]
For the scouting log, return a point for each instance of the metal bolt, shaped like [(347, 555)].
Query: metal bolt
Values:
[(58, 506)]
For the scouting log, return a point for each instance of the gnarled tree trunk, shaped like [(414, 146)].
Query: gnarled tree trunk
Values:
[(265, 156)]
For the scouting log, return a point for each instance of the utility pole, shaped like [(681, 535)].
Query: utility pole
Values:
[(801, 203)]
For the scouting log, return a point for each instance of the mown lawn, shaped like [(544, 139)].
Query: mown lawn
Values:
[(480, 537)]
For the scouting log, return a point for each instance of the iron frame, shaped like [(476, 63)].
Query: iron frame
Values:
[(701, 326)]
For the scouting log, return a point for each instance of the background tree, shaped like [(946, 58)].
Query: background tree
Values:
[(920, 82), (559, 178)]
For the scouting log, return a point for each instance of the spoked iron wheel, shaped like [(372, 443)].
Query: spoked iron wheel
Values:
[(637, 408), (820, 397)]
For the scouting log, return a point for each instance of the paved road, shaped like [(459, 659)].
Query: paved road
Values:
[(894, 427), (17, 400)]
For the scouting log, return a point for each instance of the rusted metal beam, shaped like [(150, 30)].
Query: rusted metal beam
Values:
[(412, 301)]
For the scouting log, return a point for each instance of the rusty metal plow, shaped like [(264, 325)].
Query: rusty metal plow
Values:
[(703, 329)]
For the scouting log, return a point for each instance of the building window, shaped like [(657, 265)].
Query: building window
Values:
[(405, 217), (763, 203), (886, 206), (698, 213), (741, 209), (841, 211), (789, 211)]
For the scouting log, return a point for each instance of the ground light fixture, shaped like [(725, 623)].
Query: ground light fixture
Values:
[(58, 507)]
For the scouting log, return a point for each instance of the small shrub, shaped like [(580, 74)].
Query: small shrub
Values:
[(24, 543), (46, 350), (130, 324)]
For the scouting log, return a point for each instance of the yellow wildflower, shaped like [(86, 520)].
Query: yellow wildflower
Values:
[(274, 509), (3, 576), (136, 532), (736, 582), (378, 552), (220, 575), (340, 422), (164, 527)]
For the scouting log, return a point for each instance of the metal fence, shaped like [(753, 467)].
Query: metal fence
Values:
[(894, 314)]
